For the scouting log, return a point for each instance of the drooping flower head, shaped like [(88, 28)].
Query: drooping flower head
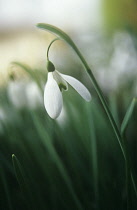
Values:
[(56, 83)]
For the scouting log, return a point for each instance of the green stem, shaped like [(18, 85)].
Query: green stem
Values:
[(102, 99), (50, 46), (107, 110)]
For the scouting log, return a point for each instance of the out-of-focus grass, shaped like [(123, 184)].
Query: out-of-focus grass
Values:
[(72, 163)]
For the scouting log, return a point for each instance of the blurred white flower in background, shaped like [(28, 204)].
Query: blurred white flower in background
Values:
[(114, 63), (24, 94), (34, 96), (16, 93)]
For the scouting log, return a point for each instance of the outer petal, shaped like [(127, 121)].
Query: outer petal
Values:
[(52, 97), (78, 86)]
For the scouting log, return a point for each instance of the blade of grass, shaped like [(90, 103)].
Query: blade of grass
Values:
[(113, 108), (94, 158), (22, 182), (129, 170), (30, 72), (45, 138), (128, 115), (6, 188)]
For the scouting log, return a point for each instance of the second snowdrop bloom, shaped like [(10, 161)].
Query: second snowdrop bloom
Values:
[(56, 83)]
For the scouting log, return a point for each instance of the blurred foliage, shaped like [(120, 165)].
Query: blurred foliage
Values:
[(72, 163), (120, 14)]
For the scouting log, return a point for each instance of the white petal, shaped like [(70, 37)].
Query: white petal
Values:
[(78, 86), (52, 97)]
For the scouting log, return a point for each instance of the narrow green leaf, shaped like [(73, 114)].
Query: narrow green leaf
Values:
[(114, 108), (45, 138), (22, 181), (134, 184), (128, 116), (6, 187), (27, 69), (18, 171), (62, 35), (94, 150)]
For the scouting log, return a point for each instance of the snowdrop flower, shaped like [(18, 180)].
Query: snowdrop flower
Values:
[(33, 95), (24, 94), (57, 82), (16, 93)]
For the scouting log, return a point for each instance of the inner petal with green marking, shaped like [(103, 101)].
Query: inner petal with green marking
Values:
[(61, 82)]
